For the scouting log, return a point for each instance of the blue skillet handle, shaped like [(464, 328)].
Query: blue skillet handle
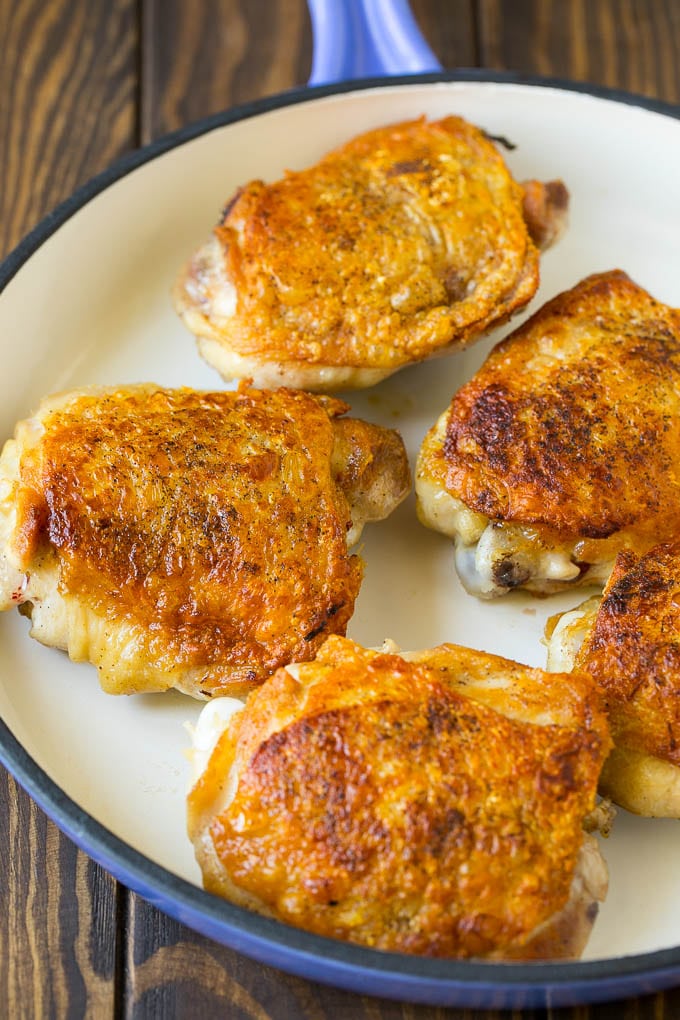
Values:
[(366, 39)]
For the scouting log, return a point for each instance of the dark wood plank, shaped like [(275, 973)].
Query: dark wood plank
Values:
[(626, 44), (449, 26), (67, 108), (67, 102), (57, 918), (172, 971), (203, 57)]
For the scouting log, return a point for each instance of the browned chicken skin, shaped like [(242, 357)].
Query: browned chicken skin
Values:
[(629, 642), (563, 448), (407, 241), (432, 805), (188, 539)]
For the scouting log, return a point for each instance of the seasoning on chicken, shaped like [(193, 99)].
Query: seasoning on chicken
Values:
[(562, 449), (629, 642), (429, 803), (406, 242), (176, 538)]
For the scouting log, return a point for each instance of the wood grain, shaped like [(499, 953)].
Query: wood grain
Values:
[(624, 44), (162, 953), (450, 28), (67, 105), (201, 58), (57, 918)]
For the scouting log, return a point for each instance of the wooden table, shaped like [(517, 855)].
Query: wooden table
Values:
[(81, 82)]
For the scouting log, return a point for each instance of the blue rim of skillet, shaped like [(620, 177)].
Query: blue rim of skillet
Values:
[(355, 968)]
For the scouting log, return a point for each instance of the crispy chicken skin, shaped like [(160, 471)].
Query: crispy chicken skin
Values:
[(562, 449), (406, 242), (177, 538), (629, 642), (431, 804)]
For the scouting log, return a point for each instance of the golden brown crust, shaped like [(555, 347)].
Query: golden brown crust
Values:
[(567, 425), (375, 802), (633, 654), (404, 242), (210, 525)]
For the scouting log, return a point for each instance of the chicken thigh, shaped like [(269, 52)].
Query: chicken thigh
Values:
[(406, 242), (177, 538), (629, 642), (431, 803), (562, 449)]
